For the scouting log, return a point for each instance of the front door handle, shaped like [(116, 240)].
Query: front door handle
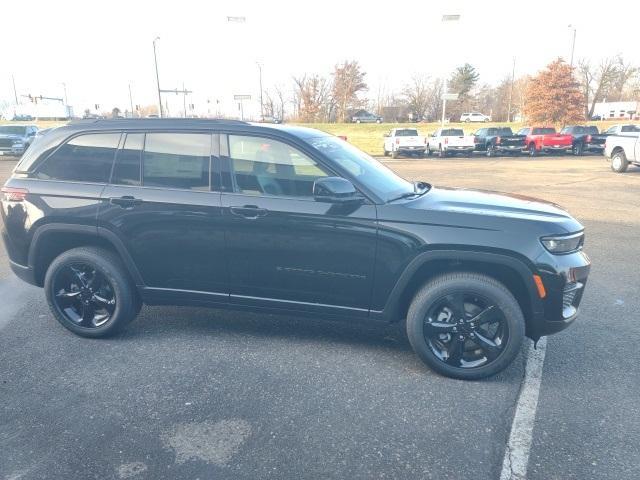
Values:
[(249, 211), (125, 202)]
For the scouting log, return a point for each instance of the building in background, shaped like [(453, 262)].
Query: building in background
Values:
[(616, 110)]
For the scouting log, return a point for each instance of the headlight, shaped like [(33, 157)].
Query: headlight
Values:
[(563, 243)]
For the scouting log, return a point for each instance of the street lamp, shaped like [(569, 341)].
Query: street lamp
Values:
[(155, 60), (261, 103), (573, 43), (445, 95)]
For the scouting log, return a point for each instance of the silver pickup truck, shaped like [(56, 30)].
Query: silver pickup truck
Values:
[(622, 150)]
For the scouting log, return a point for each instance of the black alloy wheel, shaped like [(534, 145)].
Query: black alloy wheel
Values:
[(465, 330), (84, 295)]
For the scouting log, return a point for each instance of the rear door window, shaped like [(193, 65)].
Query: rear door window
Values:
[(127, 168), (177, 160), (85, 158)]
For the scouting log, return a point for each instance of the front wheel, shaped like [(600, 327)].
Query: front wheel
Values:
[(90, 292), (532, 150), (619, 162), (441, 152), (491, 150), (465, 325)]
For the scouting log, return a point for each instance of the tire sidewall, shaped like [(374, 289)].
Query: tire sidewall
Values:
[(473, 284)]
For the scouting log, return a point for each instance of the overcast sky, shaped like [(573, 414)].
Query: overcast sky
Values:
[(98, 48)]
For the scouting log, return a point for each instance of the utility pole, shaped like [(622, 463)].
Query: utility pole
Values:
[(444, 102), (184, 101), (573, 43), (155, 60), (453, 18), (513, 73), (15, 92), (131, 101), (261, 103), (64, 87)]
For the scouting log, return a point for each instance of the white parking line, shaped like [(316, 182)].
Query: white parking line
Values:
[(516, 455)]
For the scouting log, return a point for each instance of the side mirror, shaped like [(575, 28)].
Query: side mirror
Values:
[(335, 190)]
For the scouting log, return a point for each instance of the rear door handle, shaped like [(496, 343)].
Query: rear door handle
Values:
[(249, 211), (125, 202)]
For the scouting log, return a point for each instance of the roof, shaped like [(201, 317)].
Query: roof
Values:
[(186, 123)]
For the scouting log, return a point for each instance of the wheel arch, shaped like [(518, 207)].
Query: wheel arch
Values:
[(51, 240), (512, 272)]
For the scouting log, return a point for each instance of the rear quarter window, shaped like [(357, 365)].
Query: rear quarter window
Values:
[(85, 158)]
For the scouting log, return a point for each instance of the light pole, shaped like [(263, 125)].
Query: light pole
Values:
[(15, 92), (155, 60), (261, 103), (131, 101), (573, 43), (513, 73), (446, 19)]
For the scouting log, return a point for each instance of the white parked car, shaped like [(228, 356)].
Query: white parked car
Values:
[(474, 117), (403, 141), (449, 141)]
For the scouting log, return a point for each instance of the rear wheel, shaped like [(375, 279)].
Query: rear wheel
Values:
[(394, 153), (465, 325), (90, 292), (619, 162), (491, 150), (385, 152)]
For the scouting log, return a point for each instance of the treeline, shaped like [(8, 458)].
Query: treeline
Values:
[(556, 94)]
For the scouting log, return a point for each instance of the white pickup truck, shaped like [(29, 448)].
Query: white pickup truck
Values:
[(622, 150), (403, 141), (449, 141)]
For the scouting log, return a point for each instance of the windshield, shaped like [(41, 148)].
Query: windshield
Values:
[(408, 132), (12, 130), (504, 131), (367, 170)]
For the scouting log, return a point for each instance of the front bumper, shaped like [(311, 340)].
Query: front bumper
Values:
[(565, 279)]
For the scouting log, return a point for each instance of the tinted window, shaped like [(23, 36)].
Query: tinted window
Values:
[(524, 131), (483, 132), (630, 128), (407, 132), (591, 130), (127, 167), (504, 131), (86, 158), (453, 132), (268, 167), (492, 131), (544, 131), (177, 160)]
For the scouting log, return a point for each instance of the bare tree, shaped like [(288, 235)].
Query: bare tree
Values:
[(626, 72), (312, 96), (348, 82), (597, 81), (417, 93)]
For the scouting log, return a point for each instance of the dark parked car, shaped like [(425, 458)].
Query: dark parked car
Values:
[(497, 140), (15, 139), (22, 118), (585, 139), (284, 219), (366, 117)]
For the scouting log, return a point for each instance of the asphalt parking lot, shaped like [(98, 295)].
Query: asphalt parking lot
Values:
[(195, 393)]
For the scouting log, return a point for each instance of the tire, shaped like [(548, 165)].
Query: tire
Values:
[(491, 150), (358, 121), (492, 298), (578, 149), (441, 152), (385, 152), (468, 154), (117, 294), (428, 151), (395, 154), (378, 121), (532, 150), (619, 162), (467, 121)]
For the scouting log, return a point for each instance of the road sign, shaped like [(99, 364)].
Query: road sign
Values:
[(450, 96), (242, 97)]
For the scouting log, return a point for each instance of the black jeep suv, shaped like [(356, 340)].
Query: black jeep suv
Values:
[(109, 214)]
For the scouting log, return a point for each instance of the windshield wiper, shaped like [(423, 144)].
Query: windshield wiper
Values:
[(422, 186)]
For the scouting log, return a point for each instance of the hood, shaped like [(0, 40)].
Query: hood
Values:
[(471, 208)]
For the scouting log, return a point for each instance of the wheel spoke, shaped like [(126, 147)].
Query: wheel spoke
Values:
[(485, 316), (489, 347), (88, 313), (432, 329), (102, 301), (79, 276), (455, 352), (67, 295)]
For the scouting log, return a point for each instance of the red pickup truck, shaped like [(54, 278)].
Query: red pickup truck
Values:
[(545, 139)]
